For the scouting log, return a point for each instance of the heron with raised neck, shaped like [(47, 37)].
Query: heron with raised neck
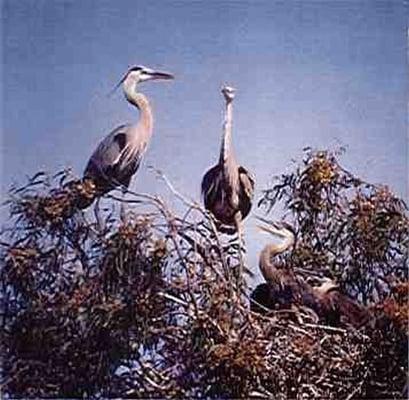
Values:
[(228, 187), (119, 154)]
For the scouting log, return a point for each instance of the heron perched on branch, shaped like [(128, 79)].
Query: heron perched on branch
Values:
[(283, 288), (228, 188), (118, 156)]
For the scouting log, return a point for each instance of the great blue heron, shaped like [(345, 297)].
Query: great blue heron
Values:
[(118, 156), (339, 309), (228, 188), (283, 288)]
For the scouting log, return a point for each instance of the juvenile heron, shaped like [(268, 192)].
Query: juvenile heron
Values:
[(283, 288), (339, 309), (228, 188), (118, 156)]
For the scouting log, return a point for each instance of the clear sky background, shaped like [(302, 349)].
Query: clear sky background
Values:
[(308, 73)]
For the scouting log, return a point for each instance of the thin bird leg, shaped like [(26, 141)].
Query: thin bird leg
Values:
[(238, 222), (122, 212), (98, 218)]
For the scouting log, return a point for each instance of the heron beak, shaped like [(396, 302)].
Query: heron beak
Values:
[(263, 228), (228, 89), (327, 286), (160, 75), (264, 220), (271, 227)]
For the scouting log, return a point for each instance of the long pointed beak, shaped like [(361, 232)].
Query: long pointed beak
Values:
[(270, 227), (327, 286), (161, 75)]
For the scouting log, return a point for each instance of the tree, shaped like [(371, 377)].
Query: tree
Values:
[(151, 307), (349, 230)]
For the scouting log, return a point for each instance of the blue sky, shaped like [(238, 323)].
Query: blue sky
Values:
[(307, 73)]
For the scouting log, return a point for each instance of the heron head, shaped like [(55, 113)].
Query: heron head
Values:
[(142, 74), (228, 93), (139, 74), (327, 285)]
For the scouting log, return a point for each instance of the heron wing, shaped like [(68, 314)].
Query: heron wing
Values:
[(247, 181), (247, 191), (211, 184), (109, 150), (103, 161)]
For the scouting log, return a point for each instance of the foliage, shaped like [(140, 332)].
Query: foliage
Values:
[(349, 230), (150, 307)]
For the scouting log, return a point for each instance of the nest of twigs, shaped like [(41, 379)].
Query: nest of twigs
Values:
[(151, 308)]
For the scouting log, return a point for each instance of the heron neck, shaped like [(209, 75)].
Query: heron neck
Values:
[(141, 102), (227, 147), (227, 159), (267, 268)]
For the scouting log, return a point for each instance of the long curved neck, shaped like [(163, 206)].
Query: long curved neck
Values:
[(140, 101), (227, 149), (266, 265), (227, 159)]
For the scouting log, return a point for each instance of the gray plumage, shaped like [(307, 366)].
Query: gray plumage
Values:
[(216, 195), (118, 156), (107, 166), (228, 188), (284, 289)]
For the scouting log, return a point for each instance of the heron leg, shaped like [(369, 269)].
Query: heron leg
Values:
[(238, 223), (122, 212), (98, 218)]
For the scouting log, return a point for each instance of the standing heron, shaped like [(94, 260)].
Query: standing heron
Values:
[(283, 288), (228, 188), (118, 156)]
